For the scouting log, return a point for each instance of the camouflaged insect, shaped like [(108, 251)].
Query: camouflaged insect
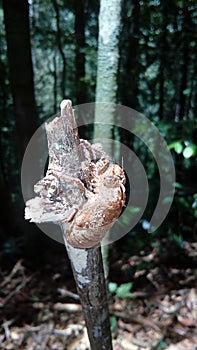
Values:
[(81, 186)]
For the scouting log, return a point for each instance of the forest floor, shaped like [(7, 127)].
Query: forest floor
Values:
[(40, 310)]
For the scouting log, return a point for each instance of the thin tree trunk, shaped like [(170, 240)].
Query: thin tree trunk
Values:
[(106, 86), (108, 51), (7, 224), (161, 89), (54, 85), (192, 104), (130, 55), (163, 48), (183, 86), (16, 17), (80, 19), (129, 58), (108, 57), (185, 61), (61, 51)]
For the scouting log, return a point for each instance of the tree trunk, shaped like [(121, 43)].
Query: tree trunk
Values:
[(108, 57), (80, 20), (182, 101), (54, 85), (129, 61), (106, 86), (129, 55), (61, 51), (7, 221), (185, 60), (163, 48), (108, 51), (16, 16)]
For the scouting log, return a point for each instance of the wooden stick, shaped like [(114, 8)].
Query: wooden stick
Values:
[(88, 272), (64, 190)]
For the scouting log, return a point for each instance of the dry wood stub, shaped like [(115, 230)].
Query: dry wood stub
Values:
[(79, 177), (81, 186)]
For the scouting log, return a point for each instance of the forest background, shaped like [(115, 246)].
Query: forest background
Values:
[(48, 51), (157, 76)]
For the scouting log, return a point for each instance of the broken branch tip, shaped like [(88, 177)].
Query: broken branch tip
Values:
[(65, 104)]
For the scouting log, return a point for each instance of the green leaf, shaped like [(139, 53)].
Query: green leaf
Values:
[(194, 204), (112, 287), (178, 239), (162, 345), (188, 152), (123, 291), (178, 185), (177, 146), (4, 129), (187, 92)]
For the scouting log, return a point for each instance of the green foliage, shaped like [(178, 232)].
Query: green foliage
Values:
[(177, 146), (162, 345), (177, 238), (122, 291), (187, 148), (112, 286), (189, 151)]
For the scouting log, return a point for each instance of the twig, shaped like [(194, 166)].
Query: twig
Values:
[(136, 318), (16, 290), (18, 266), (67, 293), (5, 326), (67, 307)]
